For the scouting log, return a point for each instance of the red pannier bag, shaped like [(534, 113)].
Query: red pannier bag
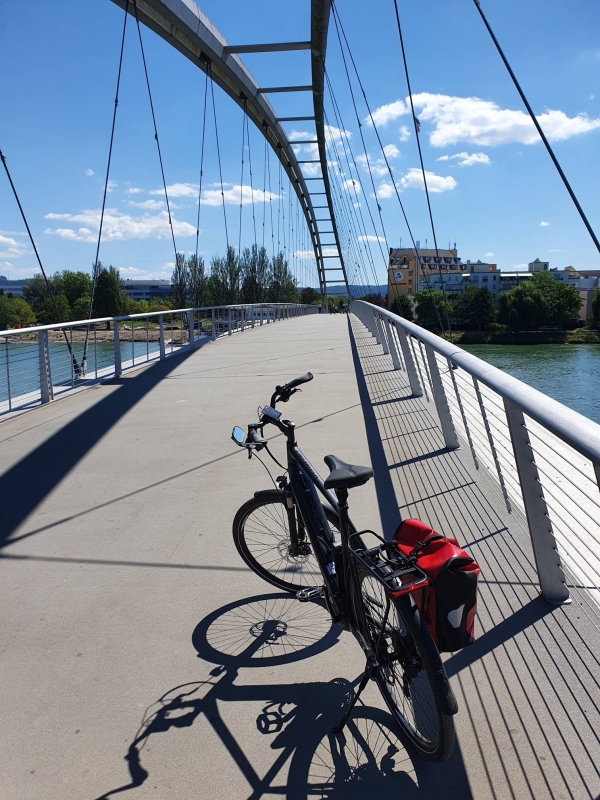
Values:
[(449, 603)]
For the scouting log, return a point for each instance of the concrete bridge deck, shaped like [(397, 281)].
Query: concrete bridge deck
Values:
[(140, 658)]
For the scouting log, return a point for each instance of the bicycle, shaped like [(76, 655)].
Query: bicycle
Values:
[(299, 543)]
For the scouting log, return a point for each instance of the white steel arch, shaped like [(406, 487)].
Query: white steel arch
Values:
[(184, 26)]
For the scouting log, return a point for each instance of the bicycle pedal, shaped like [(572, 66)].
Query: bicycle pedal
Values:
[(310, 593)]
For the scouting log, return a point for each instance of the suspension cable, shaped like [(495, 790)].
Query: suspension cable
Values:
[(251, 178), (412, 238), (201, 164), (264, 187), (110, 149), (212, 91), (242, 177), (39, 260), (162, 169), (271, 207), (538, 127), (416, 127)]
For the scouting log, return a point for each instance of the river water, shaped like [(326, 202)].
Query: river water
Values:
[(568, 373)]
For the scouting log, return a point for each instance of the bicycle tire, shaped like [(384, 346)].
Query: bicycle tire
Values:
[(254, 540), (406, 672)]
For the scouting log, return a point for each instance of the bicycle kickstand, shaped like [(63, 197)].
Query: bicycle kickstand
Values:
[(368, 673)]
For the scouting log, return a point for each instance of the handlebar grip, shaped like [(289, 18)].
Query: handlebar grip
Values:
[(298, 381), (255, 438)]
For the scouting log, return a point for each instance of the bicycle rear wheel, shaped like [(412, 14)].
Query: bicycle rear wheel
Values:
[(406, 673), (262, 538)]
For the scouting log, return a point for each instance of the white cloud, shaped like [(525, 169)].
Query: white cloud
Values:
[(544, 224), (89, 172), (335, 134), (558, 250), (591, 97), (378, 165), (404, 133), (352, 185), (482, 122), (118, 226), (212, 197), (519, 268), (357, 205), (11, 248), (133, 190), (177, 190), (134, 273), (370, 238), (435, 183), (153, 205), (488, 255), (305, 254), (111, 185), (385, 190), (467, 159), (387, 113)]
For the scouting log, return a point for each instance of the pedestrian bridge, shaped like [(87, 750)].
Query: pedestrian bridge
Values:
[(141, 658)]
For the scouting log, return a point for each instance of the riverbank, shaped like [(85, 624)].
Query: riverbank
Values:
[(578, 336)]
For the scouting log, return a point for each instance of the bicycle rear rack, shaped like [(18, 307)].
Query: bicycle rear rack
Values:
[(397, 572)]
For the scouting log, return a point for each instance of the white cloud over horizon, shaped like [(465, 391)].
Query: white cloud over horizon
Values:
[(212, 197), (11, 248), (117, 226), (467, 159), (482, 122), (371, 238), (435, 183), (544, 224)]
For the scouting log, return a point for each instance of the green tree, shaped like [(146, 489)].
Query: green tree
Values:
[(81, 308), (374, 299), (596, 307), (54, 310), (197, 281), (9, 316), (475, 306), (402, 305), (35, 291), (254, 274), (108, 297), (179, 281), (432, 308), (522, 308), (73, 285), (562, 302), (24, 310), (308, 296), (282, 287)]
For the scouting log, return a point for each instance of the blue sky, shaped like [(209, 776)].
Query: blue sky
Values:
[(495, 183)]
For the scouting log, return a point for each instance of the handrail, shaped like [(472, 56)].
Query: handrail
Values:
[(579, 431), (530, 444), (35, 368), (84, 322)]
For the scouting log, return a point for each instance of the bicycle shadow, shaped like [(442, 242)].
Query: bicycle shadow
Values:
[(295, 719)]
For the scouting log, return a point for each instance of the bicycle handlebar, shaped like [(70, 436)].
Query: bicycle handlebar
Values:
[(284, 392)]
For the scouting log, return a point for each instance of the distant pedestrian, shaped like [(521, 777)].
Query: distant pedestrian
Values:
[(320, 307)]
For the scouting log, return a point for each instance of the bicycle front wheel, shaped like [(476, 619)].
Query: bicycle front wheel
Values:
[(262, 537), (406, 672)]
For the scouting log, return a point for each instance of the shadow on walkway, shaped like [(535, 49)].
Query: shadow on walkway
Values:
[(25, 485), (368, 761)]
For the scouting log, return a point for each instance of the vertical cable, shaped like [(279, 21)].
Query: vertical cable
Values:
[(212, 91), (201, 164)]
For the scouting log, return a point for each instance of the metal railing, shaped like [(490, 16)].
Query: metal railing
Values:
[(36, 365), (543, 456)]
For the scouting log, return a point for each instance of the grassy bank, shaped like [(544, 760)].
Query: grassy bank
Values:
[(578, 336)]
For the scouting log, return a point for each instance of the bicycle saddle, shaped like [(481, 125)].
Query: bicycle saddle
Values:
[(345, 476)]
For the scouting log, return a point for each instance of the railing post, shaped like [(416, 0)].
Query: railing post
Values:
[(117, 344), (382, 336), (243, 314), (213, 329), (391, 343), (375, 329), (191, 328), (161, 338), (252, 315), (413, 376), (549, 568), (46, 388), (229, 321), (441, 401)]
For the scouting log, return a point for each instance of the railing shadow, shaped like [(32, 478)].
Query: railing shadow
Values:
[(25, 485), (295, 720)]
